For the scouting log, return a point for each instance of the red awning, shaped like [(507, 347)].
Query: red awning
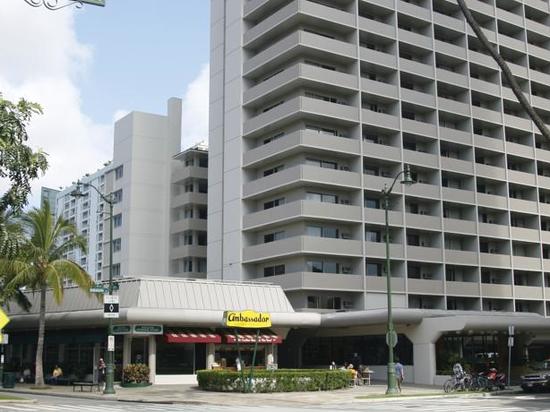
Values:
[(192, 336), (264, 337)]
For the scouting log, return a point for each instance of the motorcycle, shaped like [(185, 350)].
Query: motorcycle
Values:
[(493, 379)]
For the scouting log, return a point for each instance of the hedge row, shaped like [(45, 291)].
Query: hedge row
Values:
[(281, 380)]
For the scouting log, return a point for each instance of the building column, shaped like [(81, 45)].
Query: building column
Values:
[(95, 360), (152, 358), (126, 350), (424, 363), (210, 355)]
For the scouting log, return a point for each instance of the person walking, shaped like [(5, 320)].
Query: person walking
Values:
[(399, 374), (101, 369)]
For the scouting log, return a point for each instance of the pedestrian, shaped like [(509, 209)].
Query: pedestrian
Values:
[(399, 374), (101, 369), (332, 366), (56, 374)]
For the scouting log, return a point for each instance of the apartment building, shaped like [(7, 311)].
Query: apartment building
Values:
[(139, 180), (315, 106)]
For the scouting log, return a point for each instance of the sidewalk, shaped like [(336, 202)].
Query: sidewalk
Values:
[(191, 394)]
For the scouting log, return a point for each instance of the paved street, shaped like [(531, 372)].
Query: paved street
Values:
[(521, 403)]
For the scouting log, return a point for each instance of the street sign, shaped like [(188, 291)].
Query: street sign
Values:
[(110, 306), (391, 339), (511, 330), (4, 320), (111, 343), (98, 288), (148, 329), (121, 329), (510, 341)]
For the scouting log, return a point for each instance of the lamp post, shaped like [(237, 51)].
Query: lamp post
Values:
[(109, 199), (391, 335), (56, 5)]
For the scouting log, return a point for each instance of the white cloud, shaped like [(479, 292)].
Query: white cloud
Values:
[(195, 110), (43, 61)]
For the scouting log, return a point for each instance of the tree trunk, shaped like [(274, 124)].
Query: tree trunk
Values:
[(505, 70), (39, 368)]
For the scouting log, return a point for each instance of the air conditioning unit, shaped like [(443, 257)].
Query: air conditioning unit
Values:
[(492, 251), (345, 236), (344, 201), (346, 270), (426, 276), (344, 168)]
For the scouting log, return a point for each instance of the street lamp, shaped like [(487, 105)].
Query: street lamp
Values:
[(391, 335), (55, 5), (109, 199)]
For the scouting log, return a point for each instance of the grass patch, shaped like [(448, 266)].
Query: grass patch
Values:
[(10, 398)]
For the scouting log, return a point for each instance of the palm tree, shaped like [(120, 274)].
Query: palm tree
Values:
[(40, 265)]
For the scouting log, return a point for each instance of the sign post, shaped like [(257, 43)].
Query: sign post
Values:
[(511, 330), (247, 319)]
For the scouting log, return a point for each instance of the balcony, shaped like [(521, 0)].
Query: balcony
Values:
[(544, 182), (423, 190), (481, 7), (413, 10), (455, 135), (378, 57), (458, 195), (300, 107), (510, 42), (377, 216), (378, 250), (278, 52), (483, 86), (379, 284), (421, 128), (448, 21), (383, 120), (301, 245), (527, 263), (188, 224), (379, 88), (297, 142), (546, 265), (423, 221), (292, 14), (457, 165), (189, 198), (526, 206), (450, 49), (543, 154), (528, 292), (492, 290), (492, 201), (425, 286), (480, 58), (545, 238), (381, 151), (522, 178), (300, 210), (463, 288), (460, 257), (511, 18), (521, 233), (299, 175), (486, 115), (420, 158), (418, 98), (287, 81), (517, 122), (453, 106), (447, 76), (187, 251), (415, 39), (425, 254), (317, 281), (377, 183), (414, 67), (493, 230), (459, 226), (489, 143), (538, 51), (180, 174), (377, 27), (490, 172), (494, 260)]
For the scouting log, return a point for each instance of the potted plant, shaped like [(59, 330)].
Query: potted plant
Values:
[(135, 375)]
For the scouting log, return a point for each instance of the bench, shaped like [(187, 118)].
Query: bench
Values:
[(85, 384)]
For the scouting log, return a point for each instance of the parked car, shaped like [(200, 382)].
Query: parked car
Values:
[(539, 379)]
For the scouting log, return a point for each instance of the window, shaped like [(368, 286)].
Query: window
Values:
[(119, 172), (372, 203), (188, 237), (373, 236), (203, 187), (322, 130), (203, 213), (201, 265), (116, 270), (321, 197), (334, 302), (318, 231), (188, 188), (188, 265), (189, 162), (188, 213), (322, 163), (274, 137), (273, 170), (272, 237), (320, 266), (117, 220), (413, 240), (313, 302), (117, 245), (203, 162), (117, 196), (274, 203), (201, 239), (274, 270)]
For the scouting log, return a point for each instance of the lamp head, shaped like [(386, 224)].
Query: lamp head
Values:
[(78, 190), (407, 178)]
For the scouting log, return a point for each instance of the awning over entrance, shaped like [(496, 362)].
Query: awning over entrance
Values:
[(264, 337), (191, 336)]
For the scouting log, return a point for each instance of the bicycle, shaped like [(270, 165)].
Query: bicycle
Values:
[(456, 383)]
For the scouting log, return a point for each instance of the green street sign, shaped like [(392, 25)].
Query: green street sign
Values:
[(148, 329), (98, 288), (121, 329)]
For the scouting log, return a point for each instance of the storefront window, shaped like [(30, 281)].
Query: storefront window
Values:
[(176, 358), (227, 354)]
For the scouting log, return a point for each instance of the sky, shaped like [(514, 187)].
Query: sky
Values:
[(89, 67)]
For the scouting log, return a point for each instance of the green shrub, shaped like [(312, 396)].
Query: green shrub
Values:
[(135, 373), (282, 380)]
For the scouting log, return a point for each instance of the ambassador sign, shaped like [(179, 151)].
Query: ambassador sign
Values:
[(247, 319)]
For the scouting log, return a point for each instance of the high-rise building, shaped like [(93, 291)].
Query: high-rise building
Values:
[(315, 106)]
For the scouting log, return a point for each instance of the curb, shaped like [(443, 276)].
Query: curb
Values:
[(57, 394)]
